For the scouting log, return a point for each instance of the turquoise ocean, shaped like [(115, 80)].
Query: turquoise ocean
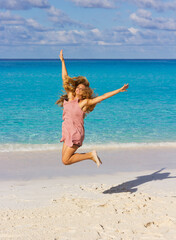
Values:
[(144, 115)]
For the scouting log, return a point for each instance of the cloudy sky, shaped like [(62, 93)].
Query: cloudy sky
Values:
[(88, 28)]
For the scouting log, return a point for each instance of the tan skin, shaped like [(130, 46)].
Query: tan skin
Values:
[(68, 153)]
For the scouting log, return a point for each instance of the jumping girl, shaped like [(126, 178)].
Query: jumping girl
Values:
[(78, 100)]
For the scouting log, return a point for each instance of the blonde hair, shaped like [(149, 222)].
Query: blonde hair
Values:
[(70, 85)]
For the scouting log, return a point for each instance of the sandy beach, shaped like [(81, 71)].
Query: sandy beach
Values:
[(131, 196)]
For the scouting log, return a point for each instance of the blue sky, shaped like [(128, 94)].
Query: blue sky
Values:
[(88, 28)]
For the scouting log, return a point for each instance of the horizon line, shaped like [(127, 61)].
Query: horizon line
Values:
[(88, 59)]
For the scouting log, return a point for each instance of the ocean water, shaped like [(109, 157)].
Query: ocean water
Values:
[(145, 114)]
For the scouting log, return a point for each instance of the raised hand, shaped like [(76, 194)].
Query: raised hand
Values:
[(61, 55), (124, 88), (64, 70)]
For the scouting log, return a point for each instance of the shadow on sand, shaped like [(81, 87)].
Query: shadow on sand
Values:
[(130, 186)]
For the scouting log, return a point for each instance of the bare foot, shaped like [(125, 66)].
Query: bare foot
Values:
[(95, 158)]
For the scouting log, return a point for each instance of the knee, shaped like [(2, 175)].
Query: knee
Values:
[(65, 161)]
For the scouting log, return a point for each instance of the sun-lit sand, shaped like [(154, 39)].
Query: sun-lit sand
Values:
[(132, 195)]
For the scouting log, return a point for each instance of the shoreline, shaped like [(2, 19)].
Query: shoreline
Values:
[(17, 147)]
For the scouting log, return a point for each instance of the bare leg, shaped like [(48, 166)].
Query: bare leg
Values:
[(69, 156), (63, 149)]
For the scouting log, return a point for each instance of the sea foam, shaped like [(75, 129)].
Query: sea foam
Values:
[(108, 146)]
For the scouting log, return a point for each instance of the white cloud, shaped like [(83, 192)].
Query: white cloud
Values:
[(144, 13), (119, 35), (57, 16), (62, 19), (95, 3), (133, 30), (102, 43), (158, 5), (96, 31), (16, 30), (141, 37), (23, 4), (31, 23), (7, 19), (144, 19)]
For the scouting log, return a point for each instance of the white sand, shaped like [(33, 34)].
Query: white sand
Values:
[(81, 202)]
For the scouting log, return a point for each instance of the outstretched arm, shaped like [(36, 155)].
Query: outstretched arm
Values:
[(106, 95), (64, 70)]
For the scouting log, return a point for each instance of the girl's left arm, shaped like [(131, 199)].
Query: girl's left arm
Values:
[(106, 95)]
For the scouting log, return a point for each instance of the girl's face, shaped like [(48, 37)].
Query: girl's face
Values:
[(79, 90)]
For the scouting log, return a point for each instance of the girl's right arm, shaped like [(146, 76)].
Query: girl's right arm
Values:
[(64, 70)]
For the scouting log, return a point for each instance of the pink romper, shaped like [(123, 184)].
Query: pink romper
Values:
[(73, 124)]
